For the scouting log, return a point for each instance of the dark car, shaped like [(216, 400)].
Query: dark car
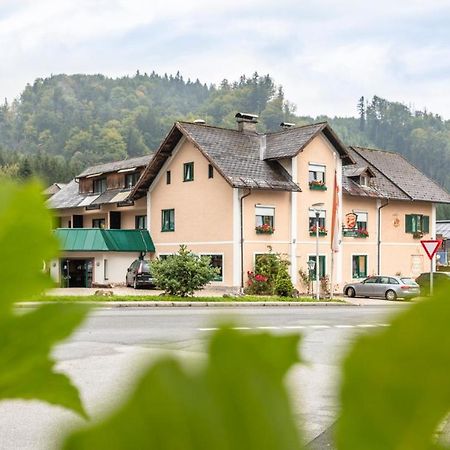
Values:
[(139, 274), (389, 287), (439, 278)]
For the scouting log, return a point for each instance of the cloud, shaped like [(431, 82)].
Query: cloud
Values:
[(325, 53)]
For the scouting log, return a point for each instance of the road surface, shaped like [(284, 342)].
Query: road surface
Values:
[(107, 354)]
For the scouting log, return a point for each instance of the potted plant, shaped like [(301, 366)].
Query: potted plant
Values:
[(362, 233), (322, 231), (264, 229), (317, 185)]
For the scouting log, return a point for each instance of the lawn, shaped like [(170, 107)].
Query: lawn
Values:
[(151, 298)]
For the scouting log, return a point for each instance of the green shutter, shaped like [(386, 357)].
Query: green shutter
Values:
[(426, 224), (409, 223)]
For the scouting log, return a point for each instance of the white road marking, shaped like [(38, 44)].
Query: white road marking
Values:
[(269, 328), (302, 327)]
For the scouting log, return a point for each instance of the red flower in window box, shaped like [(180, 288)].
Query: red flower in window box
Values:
[(264, 229), (322, 231), (362, 233)]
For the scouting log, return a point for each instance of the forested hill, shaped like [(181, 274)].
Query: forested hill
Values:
[(62, 124)]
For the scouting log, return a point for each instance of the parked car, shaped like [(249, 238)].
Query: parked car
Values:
[(388, 287), (139, 274), (439, 278)]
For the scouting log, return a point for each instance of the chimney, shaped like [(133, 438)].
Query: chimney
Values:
[(286, 125), (246, 122)]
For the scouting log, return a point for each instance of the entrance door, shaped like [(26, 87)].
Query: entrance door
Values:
[(77, 272)]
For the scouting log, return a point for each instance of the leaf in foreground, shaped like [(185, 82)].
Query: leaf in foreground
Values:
[(396, 387), (237, 401), (26, 240)]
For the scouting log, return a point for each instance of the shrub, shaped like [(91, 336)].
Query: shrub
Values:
[(183, 273), (257, 284), (267, 268), (283, 282)]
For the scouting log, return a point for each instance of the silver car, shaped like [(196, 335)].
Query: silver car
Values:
[(388, 287)]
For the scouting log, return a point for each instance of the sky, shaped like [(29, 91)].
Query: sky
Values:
[(326, 54)]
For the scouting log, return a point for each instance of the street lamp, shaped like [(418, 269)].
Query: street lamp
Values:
[(317, 208), (311, 264)]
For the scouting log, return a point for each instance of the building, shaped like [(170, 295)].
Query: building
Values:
[(233, 193), (101, 230)]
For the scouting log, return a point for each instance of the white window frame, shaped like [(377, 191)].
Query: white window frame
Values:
[(317, 168), (264, 211)]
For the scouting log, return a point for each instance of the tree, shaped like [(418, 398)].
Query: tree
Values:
[(183, 273)]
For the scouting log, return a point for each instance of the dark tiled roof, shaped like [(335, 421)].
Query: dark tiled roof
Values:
[(402, 174), (381, 186), (117, 165), (234, 154), (289, 142), (237, 155)]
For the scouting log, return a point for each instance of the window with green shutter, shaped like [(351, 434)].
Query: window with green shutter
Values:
[(359, 266), (417, 223), (426, 224), (322, 266), (168, 220)]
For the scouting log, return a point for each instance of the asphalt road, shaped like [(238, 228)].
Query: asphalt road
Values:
[(107, 354)]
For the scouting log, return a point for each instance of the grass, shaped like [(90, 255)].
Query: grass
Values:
[(157, 298)]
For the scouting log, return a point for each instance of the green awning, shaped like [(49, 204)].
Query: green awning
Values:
[(101, 240)]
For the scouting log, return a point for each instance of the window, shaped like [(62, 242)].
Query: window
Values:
[(168, 177), (316, 173), (168, 220), (312, 220), (131, 179), (217, 262), (98, 223), (364, 180), (264, 216), (417, 223), (359, 266), (361, 220), (140, 222), (210, 171), (322, 266), (188, 171), (99, 185)]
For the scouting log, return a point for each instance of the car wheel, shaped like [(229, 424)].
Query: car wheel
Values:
[(391, 295), (350, 292)]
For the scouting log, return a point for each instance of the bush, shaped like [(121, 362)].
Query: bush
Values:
[(267, 269), (257, 284), (283, 282), (183, 273)]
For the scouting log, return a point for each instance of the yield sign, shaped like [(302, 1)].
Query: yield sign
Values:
[(431, 247)]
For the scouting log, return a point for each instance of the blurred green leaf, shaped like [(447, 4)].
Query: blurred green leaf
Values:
[(26, 241), (396, 387), (237, 401)]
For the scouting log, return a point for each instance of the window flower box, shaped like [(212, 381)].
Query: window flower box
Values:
[(362, 233), (317, 186), (264, 229), (322, 231), (418, 235)]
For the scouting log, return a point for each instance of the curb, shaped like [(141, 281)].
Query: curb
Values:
[(165, 304)]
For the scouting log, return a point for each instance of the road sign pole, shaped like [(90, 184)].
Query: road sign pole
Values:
[(431, 277)]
